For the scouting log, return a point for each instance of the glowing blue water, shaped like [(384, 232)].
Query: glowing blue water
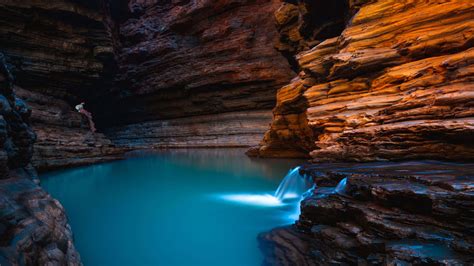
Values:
[(341, 187), (292, 186), (183, 207)]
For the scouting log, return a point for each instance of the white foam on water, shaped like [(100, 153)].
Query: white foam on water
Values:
[(254, 199)]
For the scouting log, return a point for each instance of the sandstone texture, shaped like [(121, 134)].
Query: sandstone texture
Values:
[(194, 59), (397, 83), (413, 213), (33, 226), (61, 54)]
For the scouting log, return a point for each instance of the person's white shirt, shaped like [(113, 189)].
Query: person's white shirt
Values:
[(80, 106)]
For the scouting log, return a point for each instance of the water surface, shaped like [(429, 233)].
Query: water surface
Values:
[(181, 207)]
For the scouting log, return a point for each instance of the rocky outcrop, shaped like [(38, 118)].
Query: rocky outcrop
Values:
[(197, 59), (33, 226), (62, 54), (64, 136), (396, 84), (414, 213)]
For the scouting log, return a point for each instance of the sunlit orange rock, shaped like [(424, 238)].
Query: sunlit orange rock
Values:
[(397, 83)]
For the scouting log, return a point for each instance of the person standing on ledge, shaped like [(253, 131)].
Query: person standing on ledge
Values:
[(80, 109)]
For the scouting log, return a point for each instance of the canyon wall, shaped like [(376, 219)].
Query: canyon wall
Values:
[(33, 226), (61, 53), (193, 73), (377, 79), (397, 83)]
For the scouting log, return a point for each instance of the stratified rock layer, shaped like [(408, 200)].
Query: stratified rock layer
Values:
[(234, 129), (33, 226), (420, 213), (396, 84), (194, 59), (62, 54), (64, 136)]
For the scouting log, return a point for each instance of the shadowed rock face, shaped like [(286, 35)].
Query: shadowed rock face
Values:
[(415, 212), (33, 226), (139, 65), (188, 58), (61, 53), (302, 24), (395, 84), (195, 59)]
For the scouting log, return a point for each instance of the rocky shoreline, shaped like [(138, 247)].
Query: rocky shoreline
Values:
[(408, 213)]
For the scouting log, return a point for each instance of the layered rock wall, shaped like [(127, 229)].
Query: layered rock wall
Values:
[(235, 129), (33, 226), (194, 59), (62, 54), (396, 84)]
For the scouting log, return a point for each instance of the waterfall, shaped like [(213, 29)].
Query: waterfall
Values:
[(341, 187), (292, 189), (292, 186)]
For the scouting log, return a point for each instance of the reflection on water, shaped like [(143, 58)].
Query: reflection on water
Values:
[(254, 199), (173, 208)]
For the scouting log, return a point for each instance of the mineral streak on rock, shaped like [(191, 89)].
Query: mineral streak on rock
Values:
[(396, 84), (33, 226), (198, 59), (61, 53), (420, 213)]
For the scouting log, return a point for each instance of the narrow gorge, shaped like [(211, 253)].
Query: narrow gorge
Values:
[(373, 99)]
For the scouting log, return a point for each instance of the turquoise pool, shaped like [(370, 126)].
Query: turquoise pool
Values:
[(180, 207)]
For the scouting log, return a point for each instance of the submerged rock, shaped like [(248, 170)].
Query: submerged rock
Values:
[(418, 213)]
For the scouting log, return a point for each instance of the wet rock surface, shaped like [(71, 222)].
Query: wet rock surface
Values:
[(416, 213), (33, 226)]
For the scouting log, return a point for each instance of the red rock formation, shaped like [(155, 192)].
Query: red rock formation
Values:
[(195, 59), (396, 84)]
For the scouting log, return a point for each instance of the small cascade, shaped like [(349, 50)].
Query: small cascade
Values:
[(292, 186), (341, 187), (290, 192)]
